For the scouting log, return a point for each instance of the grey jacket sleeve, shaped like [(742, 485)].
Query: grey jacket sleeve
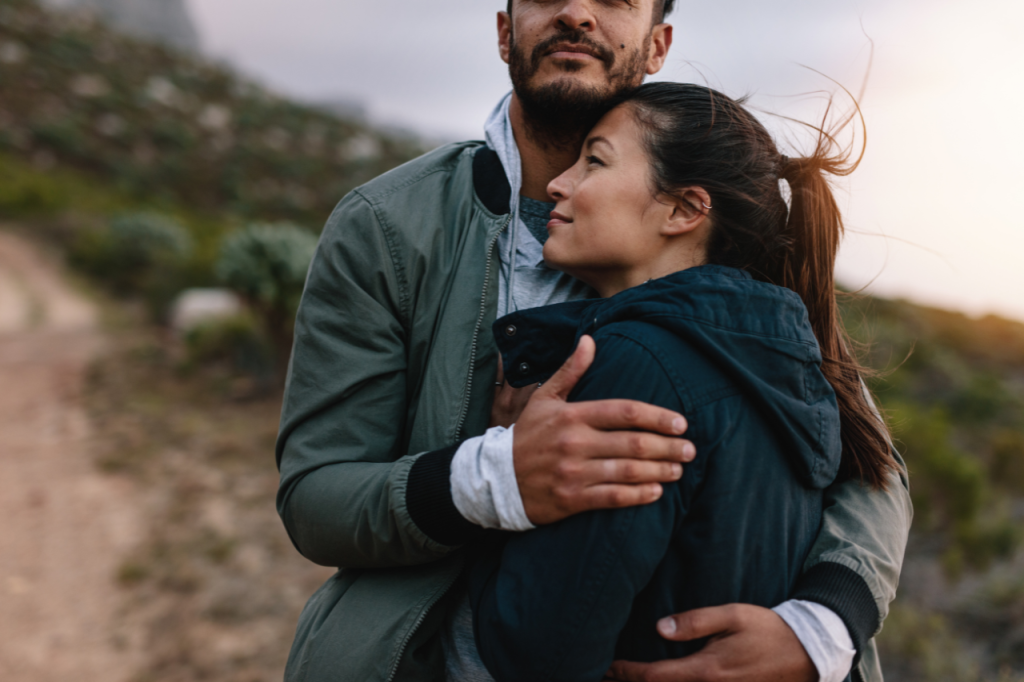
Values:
[(344, 479), (854, 566)]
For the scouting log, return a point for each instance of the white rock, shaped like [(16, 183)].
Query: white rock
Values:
[(215, 117), (11, 53), (192, 307), (89, 85)]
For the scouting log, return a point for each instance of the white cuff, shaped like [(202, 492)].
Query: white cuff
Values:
[(823, 636), (484, 485)]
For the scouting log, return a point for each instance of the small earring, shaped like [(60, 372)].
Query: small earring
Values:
[(706, 207)]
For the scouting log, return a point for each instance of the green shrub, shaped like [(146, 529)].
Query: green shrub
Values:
[(135, 252), (949, 486), (266, 264), (22, 193), (1008, 461), (950, 490), (236, 342), (921, 646)]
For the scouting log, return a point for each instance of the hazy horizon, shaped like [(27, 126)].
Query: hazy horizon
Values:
[(949, 236)]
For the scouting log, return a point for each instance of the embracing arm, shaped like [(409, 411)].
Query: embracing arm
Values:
[(852, 569), (854, 566), (344, 482), (348, 494), (551, 605)]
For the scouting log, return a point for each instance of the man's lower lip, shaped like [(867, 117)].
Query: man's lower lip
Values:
[(571, 55)]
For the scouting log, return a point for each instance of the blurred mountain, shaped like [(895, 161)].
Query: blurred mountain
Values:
[(156, 122), (165, 21)]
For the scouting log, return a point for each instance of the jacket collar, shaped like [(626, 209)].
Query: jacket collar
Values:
[(489, 181), (535, 342)]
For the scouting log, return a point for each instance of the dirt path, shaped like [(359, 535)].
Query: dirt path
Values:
[(63, 525)]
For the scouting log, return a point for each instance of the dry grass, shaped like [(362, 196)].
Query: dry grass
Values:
[(215, 590)]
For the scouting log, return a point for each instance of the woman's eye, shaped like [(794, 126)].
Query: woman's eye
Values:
[(593, 160)]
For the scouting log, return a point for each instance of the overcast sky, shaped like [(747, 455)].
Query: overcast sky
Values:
[(932, 207)]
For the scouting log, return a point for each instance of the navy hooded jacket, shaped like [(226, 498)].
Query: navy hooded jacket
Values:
[(738, 358)]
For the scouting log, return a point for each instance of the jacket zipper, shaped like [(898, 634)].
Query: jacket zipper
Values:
[(462, 419), (476, 329), (416, 626)]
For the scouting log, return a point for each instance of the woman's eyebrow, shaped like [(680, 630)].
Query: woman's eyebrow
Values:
[(597, 138)]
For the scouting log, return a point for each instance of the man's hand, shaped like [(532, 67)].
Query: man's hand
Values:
[(574, 457), (748, 644)]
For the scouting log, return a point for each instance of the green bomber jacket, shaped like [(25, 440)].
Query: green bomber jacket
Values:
[(392, 368)]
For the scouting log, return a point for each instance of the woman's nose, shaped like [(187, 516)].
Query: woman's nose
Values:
[(559, 188)]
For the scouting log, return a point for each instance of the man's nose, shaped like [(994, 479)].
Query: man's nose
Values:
[(576, 14)]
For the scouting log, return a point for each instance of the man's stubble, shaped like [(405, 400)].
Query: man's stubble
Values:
[(559, 115)]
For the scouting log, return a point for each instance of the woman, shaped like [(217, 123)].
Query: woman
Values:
[(717, 302)]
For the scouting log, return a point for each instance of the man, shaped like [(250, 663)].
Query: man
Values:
[(388, 467)]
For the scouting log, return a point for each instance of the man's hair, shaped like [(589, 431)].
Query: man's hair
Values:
[(666, 8)]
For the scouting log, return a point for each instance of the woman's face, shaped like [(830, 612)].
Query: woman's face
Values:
[(607, 223)]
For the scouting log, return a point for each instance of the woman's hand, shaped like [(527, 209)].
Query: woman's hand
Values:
[(508, 402)]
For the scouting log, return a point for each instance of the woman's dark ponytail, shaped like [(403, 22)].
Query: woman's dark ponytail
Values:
[(697, 137), (815, 228)]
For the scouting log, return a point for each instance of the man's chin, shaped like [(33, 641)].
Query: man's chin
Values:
[(572, 85)]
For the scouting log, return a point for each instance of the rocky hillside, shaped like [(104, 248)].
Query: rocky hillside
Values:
[(163, 21), (953, 388), (156, 123)]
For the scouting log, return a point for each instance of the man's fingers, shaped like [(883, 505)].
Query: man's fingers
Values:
[(561, 382), (690, 669), (633, 472), (699, 623), (640, 445), (623, 415), (619, 496)]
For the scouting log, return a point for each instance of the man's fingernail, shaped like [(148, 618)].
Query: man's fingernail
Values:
[(689, 451), (679, 425), (677, 471), (667, 626)]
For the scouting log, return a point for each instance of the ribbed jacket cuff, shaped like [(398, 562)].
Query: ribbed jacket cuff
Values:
[(428, 496), (844, 592)]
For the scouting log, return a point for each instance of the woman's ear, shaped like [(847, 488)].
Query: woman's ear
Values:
[(689, 211)]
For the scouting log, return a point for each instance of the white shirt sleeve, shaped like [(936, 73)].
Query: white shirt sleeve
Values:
[(484, 485), (823, 636)]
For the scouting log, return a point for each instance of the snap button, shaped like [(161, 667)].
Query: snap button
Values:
[(510, 330), (524, 368)]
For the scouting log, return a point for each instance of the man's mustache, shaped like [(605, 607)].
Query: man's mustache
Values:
[(575, 37)]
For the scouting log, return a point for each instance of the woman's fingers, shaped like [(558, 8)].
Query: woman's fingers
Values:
[(509, 403)]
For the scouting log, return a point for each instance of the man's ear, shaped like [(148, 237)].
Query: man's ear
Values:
[(504, 35), (689, 211), (661, 42)]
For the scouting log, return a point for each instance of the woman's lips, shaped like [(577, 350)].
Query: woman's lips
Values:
[(558, 219)]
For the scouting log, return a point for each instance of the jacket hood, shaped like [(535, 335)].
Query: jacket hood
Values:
[(756, 333)]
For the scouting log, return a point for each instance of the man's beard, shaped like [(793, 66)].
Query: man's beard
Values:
[(560, 114)]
